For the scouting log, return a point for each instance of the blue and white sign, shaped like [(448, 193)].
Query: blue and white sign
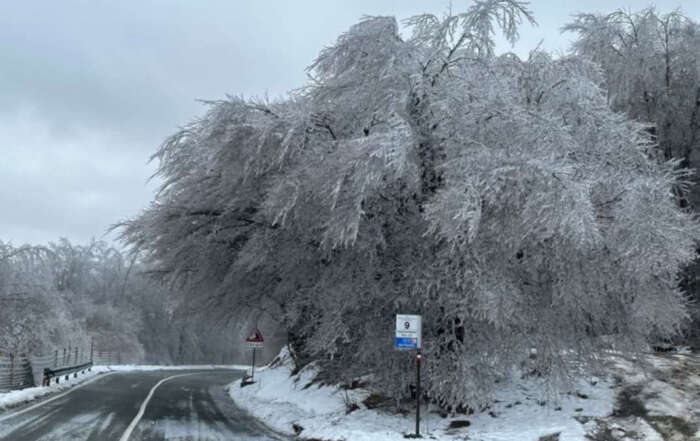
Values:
[(408, 331)]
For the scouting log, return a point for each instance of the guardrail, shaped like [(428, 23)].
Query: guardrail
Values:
[(58, 373), (19, 371)]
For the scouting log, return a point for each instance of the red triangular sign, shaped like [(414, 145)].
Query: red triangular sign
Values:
[(255, 336)]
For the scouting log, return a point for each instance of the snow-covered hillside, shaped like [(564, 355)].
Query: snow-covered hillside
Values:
[(658, 400)]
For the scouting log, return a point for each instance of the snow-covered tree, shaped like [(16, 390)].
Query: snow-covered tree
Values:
[(651, 67), (500, 198), (59, 295), (651, 72)]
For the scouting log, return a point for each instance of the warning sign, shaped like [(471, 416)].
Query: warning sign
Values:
[(255, 340)]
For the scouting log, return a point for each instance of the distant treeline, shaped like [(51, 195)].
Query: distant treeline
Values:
[(62, 295)]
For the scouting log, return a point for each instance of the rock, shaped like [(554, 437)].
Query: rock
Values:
[(459, 424), (297, 429), (374, 401), (551, 437), (618, 432)]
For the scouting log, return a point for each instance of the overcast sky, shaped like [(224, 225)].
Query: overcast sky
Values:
[(89, 89)]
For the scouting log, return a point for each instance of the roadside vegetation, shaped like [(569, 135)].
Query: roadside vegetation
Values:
[(536, 212)]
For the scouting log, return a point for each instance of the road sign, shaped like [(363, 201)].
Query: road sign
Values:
[(408, 332), (255, 340)]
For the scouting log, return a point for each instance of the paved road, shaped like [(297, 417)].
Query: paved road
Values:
[(190, 406)]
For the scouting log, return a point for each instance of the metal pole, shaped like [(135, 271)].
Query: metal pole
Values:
[(12, 371), (92, 347), (252, 369), (418, 359)]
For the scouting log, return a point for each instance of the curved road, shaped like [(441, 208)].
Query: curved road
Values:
[(189, 406)]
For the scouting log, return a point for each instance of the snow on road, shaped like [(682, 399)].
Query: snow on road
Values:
[(130, 429), (160, 367), (145, 405), (18, 397)]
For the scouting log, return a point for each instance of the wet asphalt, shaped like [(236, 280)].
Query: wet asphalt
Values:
[(194, 407)]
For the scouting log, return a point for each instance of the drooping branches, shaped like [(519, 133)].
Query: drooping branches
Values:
[(499, 197)]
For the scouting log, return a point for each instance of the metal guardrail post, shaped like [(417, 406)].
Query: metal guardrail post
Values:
[(57, 373), (12, 371), (55, 358)]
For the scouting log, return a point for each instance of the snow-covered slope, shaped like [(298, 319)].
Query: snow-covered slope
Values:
[(520, 412), (657, 398)]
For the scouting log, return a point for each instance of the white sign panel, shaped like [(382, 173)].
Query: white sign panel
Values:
[(408, 331), (255, 344)]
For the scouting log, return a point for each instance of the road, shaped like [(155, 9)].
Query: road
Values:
[(139, 406)]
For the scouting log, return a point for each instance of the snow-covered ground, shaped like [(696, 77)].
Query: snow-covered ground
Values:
[(634, 403), (18, 397), (657, 398)]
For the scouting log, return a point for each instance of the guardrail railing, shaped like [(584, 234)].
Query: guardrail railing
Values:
[(19, 371), (50, 374)]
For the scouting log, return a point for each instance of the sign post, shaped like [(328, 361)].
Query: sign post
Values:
[(255, 341), (409, 336)]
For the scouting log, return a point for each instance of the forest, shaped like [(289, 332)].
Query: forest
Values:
[(66, 295), (537, 212)]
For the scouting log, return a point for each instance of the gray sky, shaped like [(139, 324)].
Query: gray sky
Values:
[(89, 89)]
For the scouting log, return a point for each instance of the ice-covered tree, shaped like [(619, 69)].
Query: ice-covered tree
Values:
[(651, 67), (60, 295), (500, 198), (651, 71)]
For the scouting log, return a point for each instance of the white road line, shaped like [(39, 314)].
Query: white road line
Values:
[(20, 412), (137, 418)]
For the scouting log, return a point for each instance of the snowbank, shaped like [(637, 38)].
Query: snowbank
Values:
[(17, 397), (520, 412)]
